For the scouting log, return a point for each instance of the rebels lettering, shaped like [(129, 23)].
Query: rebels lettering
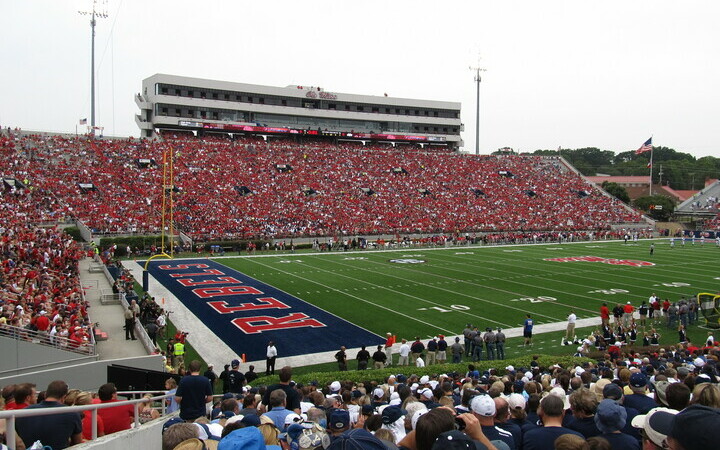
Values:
[(265, 303), (226, 290), (258, 324), (612, 261)]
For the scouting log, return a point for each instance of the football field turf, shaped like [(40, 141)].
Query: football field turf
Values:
[(425, 292)]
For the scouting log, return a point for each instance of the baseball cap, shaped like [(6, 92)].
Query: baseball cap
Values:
[(391, 414), (661, 392), (356, 439), (401, 378), (339, 419), (483, 405), (693, 427), (516, 401), (455, 440), (171, 422), (335, 386), (510, 368), (292, 418), (251, 420), (248, 437), (612, 391), (698, 362), (656, 420), (427, 393), (560, 393), (307, 438), (638, 380), (424, 379), (417, 416), (610, 416), (378, 393), (235, 363)]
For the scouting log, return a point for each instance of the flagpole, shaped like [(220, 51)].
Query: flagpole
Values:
[(651, 167)]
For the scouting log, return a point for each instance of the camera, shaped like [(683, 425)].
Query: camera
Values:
[(459, 423)]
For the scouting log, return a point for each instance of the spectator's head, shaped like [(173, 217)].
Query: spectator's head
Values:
[(107, 392), (431, 424), (610, 416), (571, 442), (483, 406), (551, 406), (170, 384), (56, 390), (177, 433), (356, 439), (25, 393), (502, 409), (583, 403), (705, 394), (338, 421), (678, 396), (285, 374), (194, 366), (278, 397)]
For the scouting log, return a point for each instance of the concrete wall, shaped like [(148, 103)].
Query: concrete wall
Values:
[(84, 376), (18, 355), (148, 436)]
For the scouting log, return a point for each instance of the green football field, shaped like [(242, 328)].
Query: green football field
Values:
[(425, 292)]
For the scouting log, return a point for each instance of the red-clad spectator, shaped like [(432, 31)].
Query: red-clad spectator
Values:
[(118, 418)]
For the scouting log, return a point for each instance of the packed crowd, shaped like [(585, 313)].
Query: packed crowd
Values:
[(319, 192), (39, 283)]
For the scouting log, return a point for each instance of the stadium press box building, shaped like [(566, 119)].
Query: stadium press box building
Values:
[(171, 102)]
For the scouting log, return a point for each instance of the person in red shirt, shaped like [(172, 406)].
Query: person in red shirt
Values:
[(389, 342), (604, 314), (24, 396), (85, 398), (118, 418), (628, 311)]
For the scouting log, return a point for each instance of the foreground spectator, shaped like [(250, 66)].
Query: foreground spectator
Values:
[(193, 393), (58, 430)]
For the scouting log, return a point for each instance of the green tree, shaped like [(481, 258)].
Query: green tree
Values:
[(659, 207), (616, 191)]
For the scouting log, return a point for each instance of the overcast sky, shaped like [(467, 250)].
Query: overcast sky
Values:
[(559, 73)]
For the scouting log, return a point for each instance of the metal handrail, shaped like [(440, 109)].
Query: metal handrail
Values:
[(11, 415), (44, 338)]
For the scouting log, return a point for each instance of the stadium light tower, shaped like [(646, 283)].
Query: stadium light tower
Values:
[(94, 14), (477, 70)]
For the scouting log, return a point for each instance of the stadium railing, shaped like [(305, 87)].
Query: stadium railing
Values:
[(11, 415), (44, 338)]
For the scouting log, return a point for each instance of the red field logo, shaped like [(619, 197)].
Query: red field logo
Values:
[(615, 262)]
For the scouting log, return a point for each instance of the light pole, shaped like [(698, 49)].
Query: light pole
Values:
[(477, 108), (94, 14)]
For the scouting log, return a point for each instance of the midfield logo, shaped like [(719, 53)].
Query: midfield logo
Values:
[(614, 262)]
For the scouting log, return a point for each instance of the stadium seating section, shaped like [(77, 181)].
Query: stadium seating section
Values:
[(435, 191)]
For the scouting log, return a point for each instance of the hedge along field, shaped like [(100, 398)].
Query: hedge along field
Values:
[(428, 292)]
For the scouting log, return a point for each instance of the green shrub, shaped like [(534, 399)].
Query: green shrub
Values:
[(379, 375)]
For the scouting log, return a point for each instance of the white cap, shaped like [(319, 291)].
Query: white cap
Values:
[(516, 400), (699, 362), (335, 386), (427, 393), (483, 405), (378, 393), (510, 369), (416, 416), (644, 422), (293, 418), (424, 379), (560, 392)]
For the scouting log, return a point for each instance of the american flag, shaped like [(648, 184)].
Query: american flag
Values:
[(83, 121), (646, 147)]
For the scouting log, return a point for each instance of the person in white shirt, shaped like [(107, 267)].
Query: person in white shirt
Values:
[(419, 362), (271, 355), (570, 334), (404, 353)]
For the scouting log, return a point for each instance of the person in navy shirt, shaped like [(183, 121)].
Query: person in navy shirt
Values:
[(527, 330), (551, 413)]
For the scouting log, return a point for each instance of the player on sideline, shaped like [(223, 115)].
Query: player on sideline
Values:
[(527, 331), (672, 242), (652, 249), (570, 332)]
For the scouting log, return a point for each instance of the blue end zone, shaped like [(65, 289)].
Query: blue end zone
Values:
[(246, 314)]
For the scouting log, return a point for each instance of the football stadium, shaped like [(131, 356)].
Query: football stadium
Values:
[(300, 267)]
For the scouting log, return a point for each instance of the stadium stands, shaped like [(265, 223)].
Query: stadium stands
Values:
[(100, 182)]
